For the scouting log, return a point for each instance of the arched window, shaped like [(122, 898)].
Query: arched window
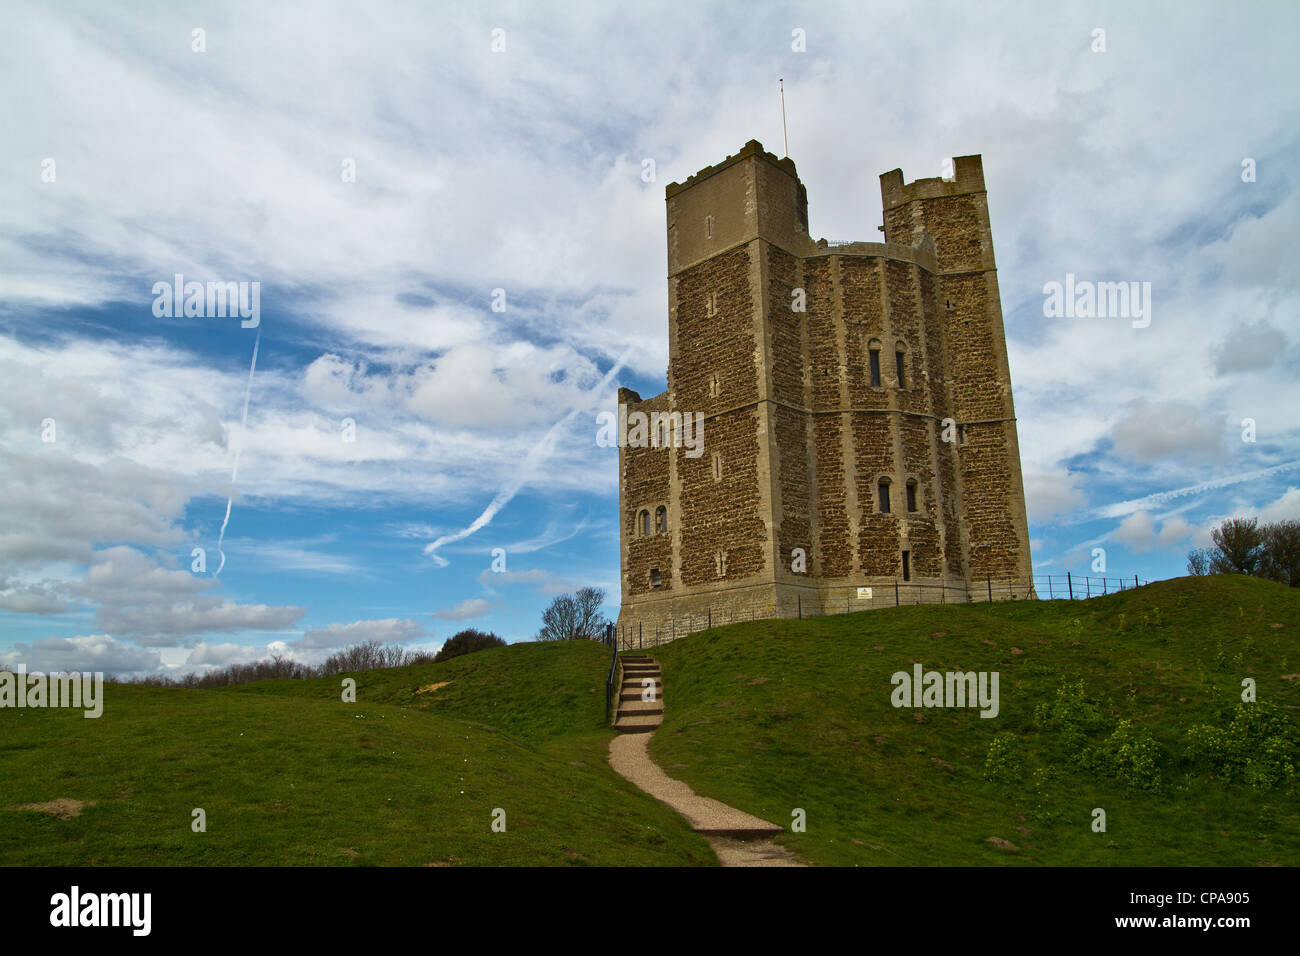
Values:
[(873, 356), (661, 520), (899, 360), (717, 466), (656, 579), (663, 434), (882, 495), (643, 521), (911, 494)]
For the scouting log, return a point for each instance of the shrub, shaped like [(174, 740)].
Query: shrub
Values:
[(1129, 755), (1257, 747), (1071, 715), (467, 642), (1003, 763)]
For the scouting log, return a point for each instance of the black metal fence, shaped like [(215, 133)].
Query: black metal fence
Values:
[(657, 630), (1071, 587)]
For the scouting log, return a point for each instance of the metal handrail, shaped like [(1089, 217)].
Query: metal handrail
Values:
[(610, 639)]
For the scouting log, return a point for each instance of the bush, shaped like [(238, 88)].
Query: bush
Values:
[(1129, 755), (1072, 716), (467, 642), (1003, 763), (1257, 747)]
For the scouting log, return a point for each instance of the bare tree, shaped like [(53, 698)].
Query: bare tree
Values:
[(574, 617), (560, 619), (1198, 562), (591, 623)]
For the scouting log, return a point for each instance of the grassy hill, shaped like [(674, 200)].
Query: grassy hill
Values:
[(1103, 703), (288, 774), (776, 715)]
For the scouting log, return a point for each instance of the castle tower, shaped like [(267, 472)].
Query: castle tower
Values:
[(858, 428)]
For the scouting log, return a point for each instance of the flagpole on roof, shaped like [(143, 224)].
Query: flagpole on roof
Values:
[(784, 138)]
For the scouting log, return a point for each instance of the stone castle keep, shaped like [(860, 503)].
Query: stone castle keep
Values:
[(858, 424)]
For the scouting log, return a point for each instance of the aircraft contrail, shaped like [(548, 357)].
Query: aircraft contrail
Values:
[(522, 474), (234, 471)]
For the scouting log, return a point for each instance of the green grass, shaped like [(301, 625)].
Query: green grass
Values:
[(776, 715), (767, 716), (289, 774)]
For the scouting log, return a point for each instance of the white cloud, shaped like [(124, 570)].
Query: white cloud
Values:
[(1138, 531), (387, 631), (93, 652), (465, 610), (1050, 492), (1150, 432)]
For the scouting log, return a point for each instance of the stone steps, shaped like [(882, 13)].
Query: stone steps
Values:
[(637, 716)]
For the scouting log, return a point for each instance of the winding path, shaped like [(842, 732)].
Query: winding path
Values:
[(738, 838)]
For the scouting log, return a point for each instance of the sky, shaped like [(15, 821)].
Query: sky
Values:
[(460, 257)]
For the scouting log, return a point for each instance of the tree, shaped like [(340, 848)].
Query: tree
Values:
[(467, 642), (1280, 552), (1236, 547), (1198, 562), (1243, 546), (574, 617)]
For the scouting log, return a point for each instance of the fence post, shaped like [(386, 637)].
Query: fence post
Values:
[(895, 592), (1135, 581), (799, 598), (989, 581), (1069, 583)]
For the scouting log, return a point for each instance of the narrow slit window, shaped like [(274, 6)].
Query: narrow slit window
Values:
[(643, 521), (911, 496), (883, 490), (661, 520), (717, 467), (875, 367), (656, 579), (902, 374), (708, 227), (907, 565)]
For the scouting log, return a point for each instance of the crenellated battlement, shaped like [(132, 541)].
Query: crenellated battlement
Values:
[(751, 149), (968, 177)]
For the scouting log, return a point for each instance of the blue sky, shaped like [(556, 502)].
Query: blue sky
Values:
[(522, 170)]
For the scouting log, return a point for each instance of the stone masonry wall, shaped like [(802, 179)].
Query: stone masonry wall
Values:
[(799, 433)]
